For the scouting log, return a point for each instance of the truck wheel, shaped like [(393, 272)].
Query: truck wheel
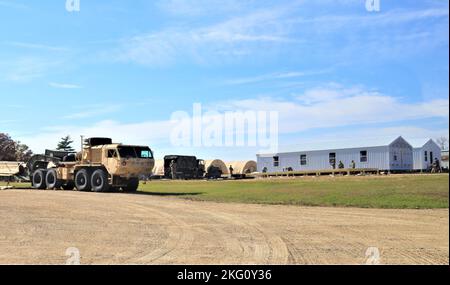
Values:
[(132, 185), (99, 181), (51, 179), (83, 180), (68, 186), (39, 179)]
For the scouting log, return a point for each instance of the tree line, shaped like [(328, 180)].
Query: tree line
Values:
[(11, 150)]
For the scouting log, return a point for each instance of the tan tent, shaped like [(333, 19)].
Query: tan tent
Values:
[(218, 164), (158, 169), (243, 167)]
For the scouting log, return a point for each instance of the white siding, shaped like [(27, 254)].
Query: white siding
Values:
[(444, 155), (418, 159), (398, 155), (377, 157), (433, 151)]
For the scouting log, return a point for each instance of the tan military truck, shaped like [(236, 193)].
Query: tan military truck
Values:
[(101, 166)]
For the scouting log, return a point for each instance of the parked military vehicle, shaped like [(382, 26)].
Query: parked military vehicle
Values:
[(185, 167), (101, 166), (215, 169)]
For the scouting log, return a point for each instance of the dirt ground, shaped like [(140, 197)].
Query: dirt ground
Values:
[(37, 227)]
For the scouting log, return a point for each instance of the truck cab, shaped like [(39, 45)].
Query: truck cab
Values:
[(100, 167)]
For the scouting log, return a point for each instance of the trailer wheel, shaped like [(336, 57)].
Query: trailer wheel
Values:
[(51, 179), (68, 186), (99, 181), (132, 185), (39, 179), (82, 180)]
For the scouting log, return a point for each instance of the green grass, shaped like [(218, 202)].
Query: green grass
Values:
[(402, 191), (16, 184), (396, 191)]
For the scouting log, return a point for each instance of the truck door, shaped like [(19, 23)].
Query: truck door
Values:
[(112, 160)]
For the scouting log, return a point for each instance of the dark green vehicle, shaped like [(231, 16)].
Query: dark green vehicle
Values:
[(183, 167)]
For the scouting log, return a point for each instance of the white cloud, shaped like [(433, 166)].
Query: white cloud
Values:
[(15, 5), (92, 111), (36, 46), (268, 30), (144, 133), (202, 7), (328, 107), (230, 38), (64, 85), (360, 137), (275, 76), (28, 68)]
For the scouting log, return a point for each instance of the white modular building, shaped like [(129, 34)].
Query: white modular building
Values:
[(444, 158), (394, 156), (425, 154)]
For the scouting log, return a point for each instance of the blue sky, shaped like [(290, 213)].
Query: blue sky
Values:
[(338, 74)]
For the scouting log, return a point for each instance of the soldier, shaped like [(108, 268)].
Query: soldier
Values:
[(433, 167), (353, 164), (438, 166), (173, 169), (231, 170), (341, 165)]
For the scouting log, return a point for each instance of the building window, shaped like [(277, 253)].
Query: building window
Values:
[(363, 156), (426, 155), (276, 161), (332, 157), (395, 157), (303, 159)]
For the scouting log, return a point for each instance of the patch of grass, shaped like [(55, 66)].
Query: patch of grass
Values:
[(397, 191), (16, 184)]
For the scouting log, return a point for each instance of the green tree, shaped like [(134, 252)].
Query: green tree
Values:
[(65, 144), (23, 152), (11, 150)]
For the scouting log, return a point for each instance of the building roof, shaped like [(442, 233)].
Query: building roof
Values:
[(418, 143), (342, 145)]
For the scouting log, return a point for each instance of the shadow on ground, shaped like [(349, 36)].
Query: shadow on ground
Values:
[(166, 194)]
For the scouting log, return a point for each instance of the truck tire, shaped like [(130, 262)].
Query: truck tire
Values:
[(39, 179), (132, 186), (51, 179), (68, 186), (83, 180), (99, 181)]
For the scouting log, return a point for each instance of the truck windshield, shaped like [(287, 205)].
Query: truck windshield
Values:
[(135, 152)]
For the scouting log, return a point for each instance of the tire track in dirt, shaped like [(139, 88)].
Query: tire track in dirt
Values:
[(116, 228), (260, 246), (266, 246), (178, 237)]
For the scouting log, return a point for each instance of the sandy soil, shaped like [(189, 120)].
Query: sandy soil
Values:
[(37, 227)]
